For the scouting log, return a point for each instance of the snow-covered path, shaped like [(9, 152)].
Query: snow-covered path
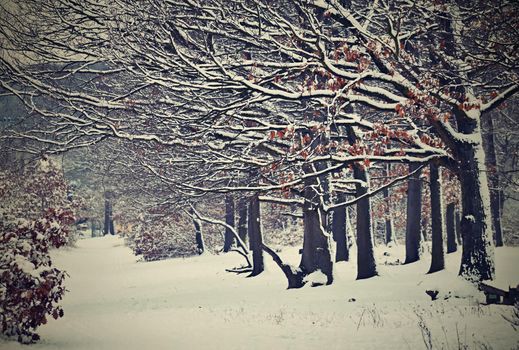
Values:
[(115, 302)]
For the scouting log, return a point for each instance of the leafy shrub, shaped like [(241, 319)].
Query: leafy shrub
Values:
[(35, 216), (30, 286), (157, 238)]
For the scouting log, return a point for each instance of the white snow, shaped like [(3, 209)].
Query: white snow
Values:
[(44, 165), (25, 265), (55, 225), (115, 302), (316, 278), (26, 247)]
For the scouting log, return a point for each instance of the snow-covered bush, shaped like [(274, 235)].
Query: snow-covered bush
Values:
[(29, 192), (30, 287), (162, 232), (35, 216), (280, 230), (160, 237)]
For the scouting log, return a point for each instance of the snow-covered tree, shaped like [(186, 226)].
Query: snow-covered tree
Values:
[(259, 85)]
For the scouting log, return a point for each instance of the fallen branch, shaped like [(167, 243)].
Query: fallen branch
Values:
[(244, 255), (240, 270)]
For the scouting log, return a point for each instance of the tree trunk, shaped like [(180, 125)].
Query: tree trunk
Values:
[(316, 242), (242, 219), (493, 178), (458, 226), (414, 216), (229, 220), (294, 275), (112, 227), (437, 258), (92, 227), (389, 231), (255, 236), (388, 219), (366, 266), (198, 236), (108, 222), (106, 226), (477, 261), (340, 230), (451, 228)]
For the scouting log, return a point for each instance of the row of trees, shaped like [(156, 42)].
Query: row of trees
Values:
[(293, 102)]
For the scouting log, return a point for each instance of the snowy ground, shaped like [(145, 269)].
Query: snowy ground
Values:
[(115, 302)]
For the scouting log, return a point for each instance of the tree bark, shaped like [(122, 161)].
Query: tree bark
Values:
[(294, 276), (92, 227), (437, 253), (388, 218), (108, 221), (106, 226), (340, 230), (229, 220), (316, 242), (494, 181), (112, 227), (389, 231), (366, 266), (242, 219), (477, 261), (255, 235), (451, 228), (200, 247), (414, 216)]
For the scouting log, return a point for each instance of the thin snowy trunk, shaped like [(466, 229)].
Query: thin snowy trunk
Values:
[(242, 218), (229, 220), (414, 216), (255, 235), (437, 253), (457, 222), (388, 219), (198, 236), (451, 228)]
